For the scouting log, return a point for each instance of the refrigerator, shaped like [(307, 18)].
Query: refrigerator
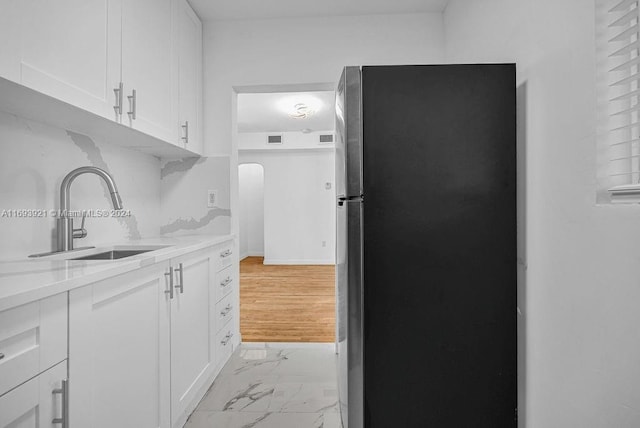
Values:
[(426, 246)]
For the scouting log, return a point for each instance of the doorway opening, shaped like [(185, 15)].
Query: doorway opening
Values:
[(286, 203), (251, 201)]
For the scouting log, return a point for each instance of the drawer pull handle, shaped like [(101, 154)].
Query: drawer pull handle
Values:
[(226, 253), (226, 339), (64, 391), (226, 282), (226, 310), (1, 355)]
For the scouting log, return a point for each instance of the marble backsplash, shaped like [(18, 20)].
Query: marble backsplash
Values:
[(34, 158), (185, 187)]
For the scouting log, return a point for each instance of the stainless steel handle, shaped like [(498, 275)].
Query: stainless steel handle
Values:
[(186, 132), (226, 253), (170, 290), (226, 339), (226, 282), (118, 92), (132, 105), (226, 310), (180, 286), (64, 392)]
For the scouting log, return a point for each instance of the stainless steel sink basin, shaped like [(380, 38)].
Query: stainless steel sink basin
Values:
[(112, 255)]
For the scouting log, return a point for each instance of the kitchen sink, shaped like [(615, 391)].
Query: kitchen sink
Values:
[(112, 255)]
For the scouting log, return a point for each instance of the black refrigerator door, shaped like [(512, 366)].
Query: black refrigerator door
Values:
[(439, 246)]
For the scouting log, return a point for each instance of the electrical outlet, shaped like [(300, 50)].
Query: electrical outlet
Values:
[(324, 243), (212, 198)]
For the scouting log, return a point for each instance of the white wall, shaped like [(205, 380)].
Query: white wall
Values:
[(300, 51), (304, 50), (290, 140), (251, 184), (34, 158), (580, 262), (299, 213)]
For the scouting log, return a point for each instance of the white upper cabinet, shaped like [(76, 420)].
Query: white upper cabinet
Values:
[(9, 49), (146, 67), (188, 60), (71, 51), (83, 52)]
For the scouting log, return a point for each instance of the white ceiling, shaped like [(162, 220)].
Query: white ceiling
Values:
[(270, 112), (220, 10)]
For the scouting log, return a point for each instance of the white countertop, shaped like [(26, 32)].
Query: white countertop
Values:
[(24, 281)]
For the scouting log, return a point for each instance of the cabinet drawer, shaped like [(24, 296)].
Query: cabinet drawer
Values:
[(224, 344), (37, 402), (224, 311), (225, 255), (33, 338), (224, 282)]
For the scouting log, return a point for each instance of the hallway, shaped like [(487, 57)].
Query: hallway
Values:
[(286, 303)]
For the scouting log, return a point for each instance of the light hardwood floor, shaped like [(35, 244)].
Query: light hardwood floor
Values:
[(282, 303)]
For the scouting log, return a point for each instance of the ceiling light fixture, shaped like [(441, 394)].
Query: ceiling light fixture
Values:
[(301, 111)]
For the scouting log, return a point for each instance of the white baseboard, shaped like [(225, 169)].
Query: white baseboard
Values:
[(250, 254), (299, 262)]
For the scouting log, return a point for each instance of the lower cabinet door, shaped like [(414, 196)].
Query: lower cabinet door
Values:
[(119, 351), (192, 332), (37, 403)]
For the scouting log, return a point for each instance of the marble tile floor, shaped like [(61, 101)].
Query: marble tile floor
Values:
[(273, 386)]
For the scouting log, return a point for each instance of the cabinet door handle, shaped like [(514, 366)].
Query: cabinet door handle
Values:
[(185, 138), (118, 92), (132, 105), (170, 290), (64, 392), (180, 286), (226, 281)]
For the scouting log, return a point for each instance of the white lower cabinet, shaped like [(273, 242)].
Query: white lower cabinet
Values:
[(192, 332), (119, 361), (145, 346), (37, 403), (33, 338)]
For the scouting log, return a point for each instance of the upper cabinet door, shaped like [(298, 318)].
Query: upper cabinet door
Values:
[(146, 67), (188, 51), (9, 49), (71, 51)]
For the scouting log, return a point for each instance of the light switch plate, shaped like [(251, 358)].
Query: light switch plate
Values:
[(212, 198)]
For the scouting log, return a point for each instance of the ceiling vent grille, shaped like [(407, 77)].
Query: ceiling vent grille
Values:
[(274, 139), (326, 138)]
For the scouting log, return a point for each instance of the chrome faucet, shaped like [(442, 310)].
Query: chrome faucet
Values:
[(65, 230)]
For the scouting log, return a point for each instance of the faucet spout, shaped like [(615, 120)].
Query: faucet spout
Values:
[(66, 233), (65, 187)]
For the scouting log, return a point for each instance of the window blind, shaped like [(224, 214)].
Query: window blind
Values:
[(623, 64)]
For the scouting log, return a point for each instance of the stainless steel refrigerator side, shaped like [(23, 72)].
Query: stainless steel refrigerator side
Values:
[(349, 249), (341, 254)]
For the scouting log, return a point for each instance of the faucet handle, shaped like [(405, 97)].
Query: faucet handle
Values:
[(82, 232)]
